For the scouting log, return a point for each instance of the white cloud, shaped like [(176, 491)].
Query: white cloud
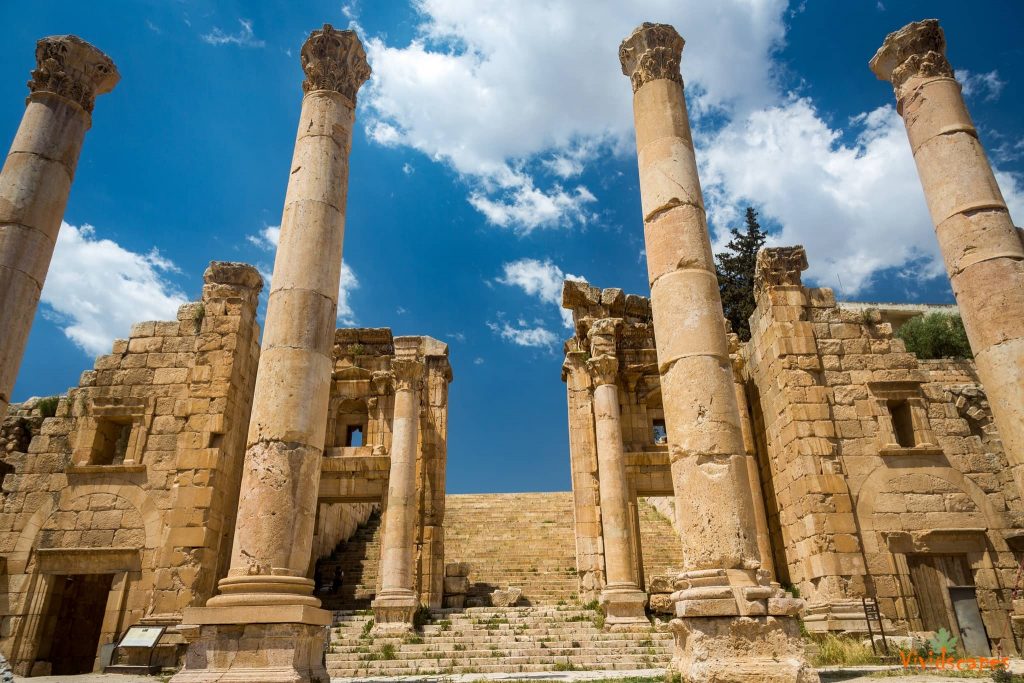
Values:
[(478, 361), (541, 279), (502, 90), (857, 207), (96, 289), (408, 169), (244, 38), (267, 239), (987, 86), (522, 334)]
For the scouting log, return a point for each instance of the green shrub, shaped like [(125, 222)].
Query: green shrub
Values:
[(48, 406), (936, 335)]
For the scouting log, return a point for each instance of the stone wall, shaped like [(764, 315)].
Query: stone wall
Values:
[(137, 473)]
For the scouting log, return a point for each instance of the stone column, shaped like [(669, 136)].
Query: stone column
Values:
[(266, 589), (983, 251), (396, 603), (721, 582), (622, 599), (36, 180)]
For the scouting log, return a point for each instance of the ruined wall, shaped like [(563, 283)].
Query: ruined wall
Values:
[(878, 462), (136, 476)]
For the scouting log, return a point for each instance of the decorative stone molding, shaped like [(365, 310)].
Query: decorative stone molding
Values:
[(334, 60), (917, 50), (651, 52), (779, 267), (604, 369), (408, 373), (73, 69), (383, 382)]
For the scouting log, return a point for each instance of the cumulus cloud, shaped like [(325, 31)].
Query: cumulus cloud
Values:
[(523, 334), (267, 239), (857, 207), (243, 38), (540, 279), (508, 93), (96, 289), (987, 86)]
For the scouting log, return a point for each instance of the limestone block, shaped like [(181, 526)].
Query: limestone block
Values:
[(662, 603), (457, 569), (455, 585), (507, 597), (661, 584), (455, 601)]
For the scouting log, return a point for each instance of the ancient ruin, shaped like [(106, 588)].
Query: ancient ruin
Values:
[(275, 506)]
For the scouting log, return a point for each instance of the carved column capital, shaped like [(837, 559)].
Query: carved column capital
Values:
[(383, 382), (408, 373), (779, 267), (334, 60), (916, 50), (604, 369), (73, 69), (651, 52)]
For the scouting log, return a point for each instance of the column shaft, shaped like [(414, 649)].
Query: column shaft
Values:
[(278, 499), (36, 180), (982, 249), (397, 601), (615, 523), (709, 471)]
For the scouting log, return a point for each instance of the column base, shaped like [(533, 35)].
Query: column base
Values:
[(734, 626), (624, 608), (393, 612), (248, 644), (740, 650)]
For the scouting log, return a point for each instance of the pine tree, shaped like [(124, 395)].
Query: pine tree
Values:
[(735, 269)]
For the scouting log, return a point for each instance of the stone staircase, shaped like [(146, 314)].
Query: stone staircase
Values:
[(516, 539), (358, 558), (659, 543), (486, 639)]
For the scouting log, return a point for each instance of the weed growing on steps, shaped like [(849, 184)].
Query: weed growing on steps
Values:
[(367, 627)]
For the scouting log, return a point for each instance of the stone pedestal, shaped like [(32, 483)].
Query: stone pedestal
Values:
[(36, 180), (983, 252), (728, 602), (621, 598), (265, 625), (396, 603), (272, 645)]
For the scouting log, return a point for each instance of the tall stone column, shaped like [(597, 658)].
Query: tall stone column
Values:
[(396, 603), (266, 617), (622, 599), (721, 583), (984, 253), (36, 180)]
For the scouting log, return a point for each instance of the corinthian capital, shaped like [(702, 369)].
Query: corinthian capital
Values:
[(779, 267), (651, 52), (916, 50), (334, 60), (604, 369), (73, 69), (408, 373)]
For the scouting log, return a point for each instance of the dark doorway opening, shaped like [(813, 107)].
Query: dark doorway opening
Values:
[(74, 617)]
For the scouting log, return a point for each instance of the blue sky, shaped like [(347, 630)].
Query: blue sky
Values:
[(493, 155)]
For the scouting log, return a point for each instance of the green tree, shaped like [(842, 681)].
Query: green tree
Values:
[(936, 335), (735, 269)]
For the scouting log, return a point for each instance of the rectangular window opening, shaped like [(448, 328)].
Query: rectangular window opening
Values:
[(902, 423), (354, 435), (111, 442), (658, 432)]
